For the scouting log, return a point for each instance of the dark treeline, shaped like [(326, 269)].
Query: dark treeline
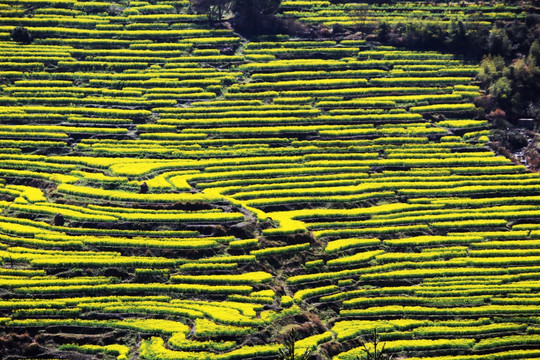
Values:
[(509, 52), (250, 17)]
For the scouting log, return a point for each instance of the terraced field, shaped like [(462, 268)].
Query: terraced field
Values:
[(214, 193), (354, 15)]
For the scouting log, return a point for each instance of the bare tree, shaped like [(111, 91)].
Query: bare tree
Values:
[(359, 15), (288, 353), (375, 354), (214, 9)]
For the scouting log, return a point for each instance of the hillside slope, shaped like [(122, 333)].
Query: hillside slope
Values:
[(172, 191)]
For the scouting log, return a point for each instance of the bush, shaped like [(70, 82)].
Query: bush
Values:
[(21, 34), (214, 9), (255, 17)]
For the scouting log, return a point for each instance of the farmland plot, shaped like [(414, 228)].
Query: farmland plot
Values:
[(169, 194)]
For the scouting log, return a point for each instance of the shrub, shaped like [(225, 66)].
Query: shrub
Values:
[(255, 16), (21, 34)]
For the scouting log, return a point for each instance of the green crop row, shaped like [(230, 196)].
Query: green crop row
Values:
[(144, 102), (26, 226), (16, 282), (162, 82), (489, 310), (319, 199), (70, 312), (153, 349), (214, 40), (37, 242), (402, 98), (101, 261), (491, 201), (443, 107), (288, 113), (384, 132), (317, 74), (208, 328), (63, 129), (203, 218), (445, 216), (279, 250), (508, 244), (412, 300), (345, 244), (74, 42), (218, 107), (143, 308), (297, 84), (195, 95), (409, 270), (361, 257), (432, 255), (296, 64), (208, 266), (337, 119), (179, 342), (293, 192), (118, 242), (295, 52), (73, 91), (365, 91), (376, 231), (505, 355), (137, 289), (289, 44), (430, 81), (122, 113), (226, 103), (175, 73), (30, 134), (474, 189), (43, 83), (51, 32), (494, 223), (311, 342), (131, 52), (301, 295), (126, 196), (208, 59), (243, 244), (101, 65), (33, 59), (353, 328), (432, 270), (30, 66), (251, 299), (384, 54), (155, 326), (251, 278), (279, 171), (413, 345), (69, 214), (299, 184), (433, 162), (470, 330), (120, 351), (280, 181), (36, 166)]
